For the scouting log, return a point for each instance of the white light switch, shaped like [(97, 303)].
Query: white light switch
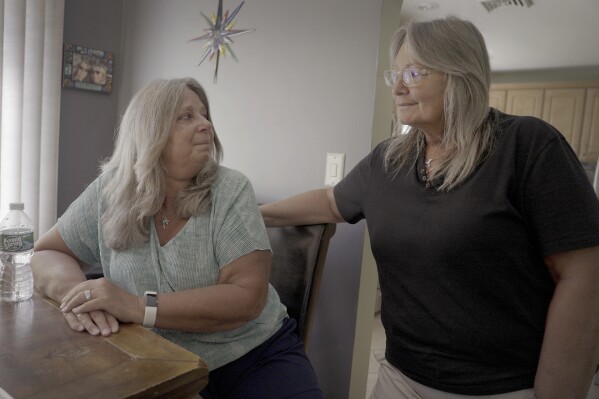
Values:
[(335, 169)]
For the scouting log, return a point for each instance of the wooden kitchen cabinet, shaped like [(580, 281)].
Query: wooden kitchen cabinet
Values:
[(497, 99), (590, 130), (524, 102), (563, 109), (572, 107)]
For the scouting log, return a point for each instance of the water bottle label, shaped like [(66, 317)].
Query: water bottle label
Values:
[(16, 242)]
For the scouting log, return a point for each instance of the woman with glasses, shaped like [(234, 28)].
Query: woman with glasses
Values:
[(485, 230)]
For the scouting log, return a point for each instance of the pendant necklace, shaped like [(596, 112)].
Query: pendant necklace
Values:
[(427, 162), (165, 221)]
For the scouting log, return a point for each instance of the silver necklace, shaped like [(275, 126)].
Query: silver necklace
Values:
[(165, 221), (427, 162)]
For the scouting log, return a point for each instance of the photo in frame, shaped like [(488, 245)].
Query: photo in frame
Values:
[(87, 69)]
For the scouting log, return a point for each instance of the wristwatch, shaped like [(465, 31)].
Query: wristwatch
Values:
[(151, 309)]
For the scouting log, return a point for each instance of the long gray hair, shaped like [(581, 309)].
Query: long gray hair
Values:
[(456, 48), (135, 188)]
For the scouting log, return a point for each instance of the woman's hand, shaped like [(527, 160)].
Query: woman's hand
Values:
[(95, 323), (97, 301)]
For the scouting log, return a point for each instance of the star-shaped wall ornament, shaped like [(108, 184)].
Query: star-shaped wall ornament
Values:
[(219, 35)]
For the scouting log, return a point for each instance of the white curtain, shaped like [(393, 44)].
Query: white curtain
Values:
[(31, 34)]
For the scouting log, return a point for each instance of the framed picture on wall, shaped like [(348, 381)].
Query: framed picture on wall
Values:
[(87, 69)]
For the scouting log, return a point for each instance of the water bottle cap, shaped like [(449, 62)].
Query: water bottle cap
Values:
[(16, 206)]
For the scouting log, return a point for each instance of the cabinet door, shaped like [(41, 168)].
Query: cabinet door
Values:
[(497, 99), (563, 108), (589, 146), (525, 102)]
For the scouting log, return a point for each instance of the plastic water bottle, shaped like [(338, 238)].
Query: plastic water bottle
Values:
[(16, 250)]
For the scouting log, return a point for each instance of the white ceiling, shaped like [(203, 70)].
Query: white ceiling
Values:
[(549, 34)]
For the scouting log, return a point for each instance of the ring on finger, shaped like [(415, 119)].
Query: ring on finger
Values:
[(88, 294)]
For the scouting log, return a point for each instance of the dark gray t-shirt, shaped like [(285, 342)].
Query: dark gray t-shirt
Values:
[(465, 291)]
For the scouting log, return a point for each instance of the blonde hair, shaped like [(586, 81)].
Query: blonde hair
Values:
[(456, 48), (135, 175)]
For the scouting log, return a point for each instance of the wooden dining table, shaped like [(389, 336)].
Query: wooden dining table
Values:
[(42, 357)]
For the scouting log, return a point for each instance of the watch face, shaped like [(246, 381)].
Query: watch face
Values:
[(151, 299)]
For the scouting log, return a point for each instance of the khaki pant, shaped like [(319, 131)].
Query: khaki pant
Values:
[(392, 384)]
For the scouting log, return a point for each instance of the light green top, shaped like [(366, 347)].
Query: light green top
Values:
[(192, 259)]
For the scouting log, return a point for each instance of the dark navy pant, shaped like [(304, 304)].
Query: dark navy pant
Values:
[(277, 369)]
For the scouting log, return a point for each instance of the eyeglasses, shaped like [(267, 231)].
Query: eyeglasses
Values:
[(410, 76)]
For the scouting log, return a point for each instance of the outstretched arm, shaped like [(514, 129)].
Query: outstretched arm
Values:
[(570, 349), (310, 207)]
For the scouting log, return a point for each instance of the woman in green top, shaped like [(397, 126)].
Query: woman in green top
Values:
[(183, 249)]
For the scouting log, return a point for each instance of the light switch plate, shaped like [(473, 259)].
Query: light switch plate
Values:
[(335, 168)]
